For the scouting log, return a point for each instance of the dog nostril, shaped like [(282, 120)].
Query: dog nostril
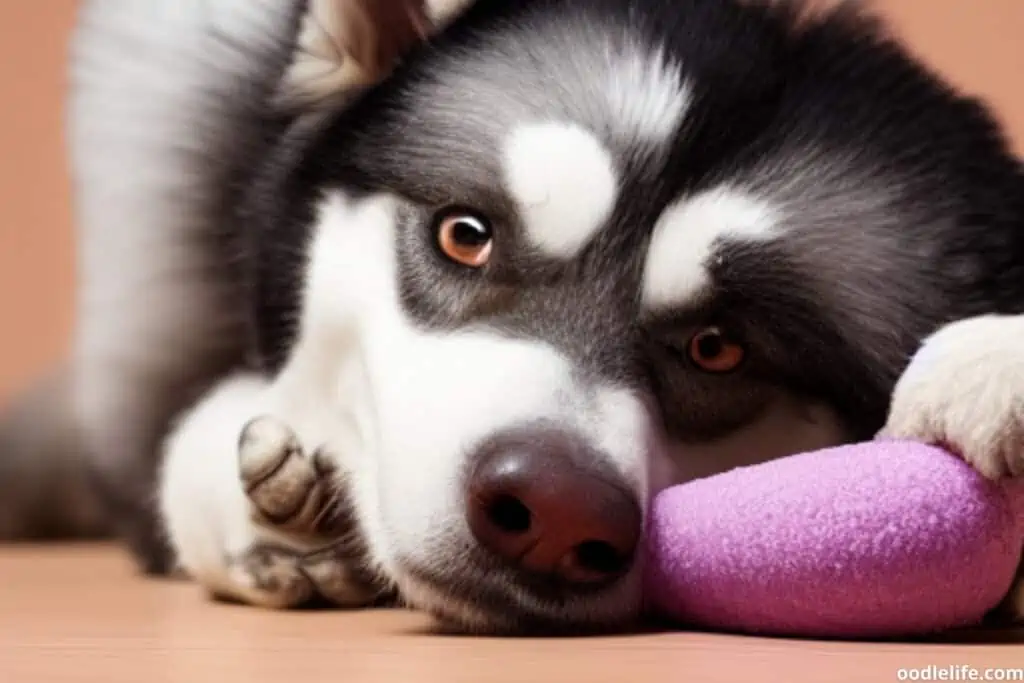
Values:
[(508, 514), (542, 502), (600, 558)]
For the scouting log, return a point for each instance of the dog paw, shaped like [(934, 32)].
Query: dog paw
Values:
[(268, 576), (964, 390), (252, 517), (342, 580), (289, 490), (305, 498), (280, 577)]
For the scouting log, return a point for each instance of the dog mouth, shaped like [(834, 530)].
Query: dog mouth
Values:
[(476, 598)]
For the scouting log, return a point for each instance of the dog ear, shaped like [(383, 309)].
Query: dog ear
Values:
[(443, 12), (346, 45)]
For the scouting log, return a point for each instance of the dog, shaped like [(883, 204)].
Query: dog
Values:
[(424, 302)]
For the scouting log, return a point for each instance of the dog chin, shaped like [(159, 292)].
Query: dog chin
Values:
[(502, 608), (451, 613)]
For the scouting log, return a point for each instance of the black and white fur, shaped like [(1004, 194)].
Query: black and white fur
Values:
[(262, 293)]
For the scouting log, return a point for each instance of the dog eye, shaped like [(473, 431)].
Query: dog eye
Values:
[(712, 351), (465, 238)]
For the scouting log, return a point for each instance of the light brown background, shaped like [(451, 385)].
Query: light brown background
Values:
[(975, 42)]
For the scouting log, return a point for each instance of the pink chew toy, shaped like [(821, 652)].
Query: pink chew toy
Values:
[(881, 539)]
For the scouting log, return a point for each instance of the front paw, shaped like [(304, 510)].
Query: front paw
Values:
[(279, 576), (254, 519), (289, 490), (304, 498), (964, 390)]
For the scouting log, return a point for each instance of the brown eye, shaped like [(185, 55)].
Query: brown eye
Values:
[(466, 239), (712, 351)]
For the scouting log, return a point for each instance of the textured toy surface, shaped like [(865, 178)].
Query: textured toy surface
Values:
[(878, 539)]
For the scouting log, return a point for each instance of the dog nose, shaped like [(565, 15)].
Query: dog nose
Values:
[(538, 501)]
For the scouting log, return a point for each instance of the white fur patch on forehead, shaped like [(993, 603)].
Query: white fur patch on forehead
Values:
[(676, 271), (564, 182), (647, 96)]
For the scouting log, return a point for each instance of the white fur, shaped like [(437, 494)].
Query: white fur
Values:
[(564, 182), (676, 270), (965, 389), (646, 95)]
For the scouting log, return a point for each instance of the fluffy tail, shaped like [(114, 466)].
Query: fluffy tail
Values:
[(45, 492)]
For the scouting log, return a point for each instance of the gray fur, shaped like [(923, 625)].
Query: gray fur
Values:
[(166, 107), (46, 487)]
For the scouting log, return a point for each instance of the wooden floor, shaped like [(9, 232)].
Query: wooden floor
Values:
[(79, 614)]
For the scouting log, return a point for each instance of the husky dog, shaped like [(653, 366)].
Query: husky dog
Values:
[(427, 300)]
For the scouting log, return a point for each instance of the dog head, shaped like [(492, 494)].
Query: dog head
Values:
[(573, 251)]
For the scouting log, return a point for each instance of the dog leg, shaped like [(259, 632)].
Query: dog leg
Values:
[(256, 518), (964, 390)]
